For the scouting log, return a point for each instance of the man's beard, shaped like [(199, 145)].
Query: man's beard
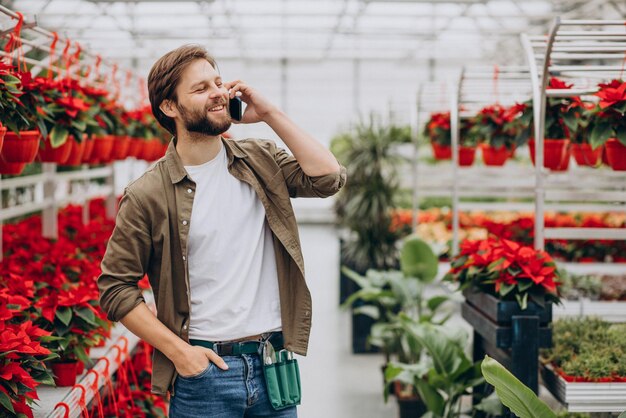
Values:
[(199, 122)]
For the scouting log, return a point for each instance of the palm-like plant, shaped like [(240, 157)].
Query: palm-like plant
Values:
[(364, 205)]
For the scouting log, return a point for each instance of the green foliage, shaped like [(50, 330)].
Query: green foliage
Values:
[(364, 204), (444, 373), (418, 260), (514, 394), (588, 347)]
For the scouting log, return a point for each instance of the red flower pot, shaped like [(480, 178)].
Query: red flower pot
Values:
[(59, 155), (556, 153), (136, 144), (120, 147), (616, 154), (441, 152), (80, 368), (3, 132), (11, 168), (76, 153), (494, 156), (20, 148), (102, 149), (466, 156), (88, 151), (585, 155), (65, 373)]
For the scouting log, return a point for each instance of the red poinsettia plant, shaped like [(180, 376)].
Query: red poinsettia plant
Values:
[(438, 129), (494, 125), (507, 270), (561, 118), (608, 119)]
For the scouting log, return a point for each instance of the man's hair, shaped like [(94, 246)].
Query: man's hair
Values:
[(165, 76)]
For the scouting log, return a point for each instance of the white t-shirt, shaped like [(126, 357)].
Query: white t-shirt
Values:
[(232, 266)]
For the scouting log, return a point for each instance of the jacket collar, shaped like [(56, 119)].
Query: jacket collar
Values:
[(175, 164)]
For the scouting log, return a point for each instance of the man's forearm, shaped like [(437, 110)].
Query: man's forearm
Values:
[(312, 156), (142, 322)]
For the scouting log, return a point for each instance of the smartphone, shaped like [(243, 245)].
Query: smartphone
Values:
[(234, 107)]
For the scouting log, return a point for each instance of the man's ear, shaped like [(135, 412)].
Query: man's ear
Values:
[(168, 108)]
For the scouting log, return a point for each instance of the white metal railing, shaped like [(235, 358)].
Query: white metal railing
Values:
[(566, 45)]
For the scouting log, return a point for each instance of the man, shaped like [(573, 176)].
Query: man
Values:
[(212, 226)]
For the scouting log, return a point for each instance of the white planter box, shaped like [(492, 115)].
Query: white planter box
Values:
[(585, 397), (611, 311)]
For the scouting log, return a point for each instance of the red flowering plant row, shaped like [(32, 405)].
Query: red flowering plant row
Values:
[(495, 125), (49, 301), (438, 129), (506, 270), (520, 228)]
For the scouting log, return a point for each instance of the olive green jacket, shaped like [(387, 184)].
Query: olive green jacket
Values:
[(151, 236)]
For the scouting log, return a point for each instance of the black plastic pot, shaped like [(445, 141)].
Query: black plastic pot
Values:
[(411, 408)]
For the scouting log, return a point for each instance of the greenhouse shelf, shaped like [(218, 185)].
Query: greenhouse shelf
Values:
[(50, 397), (585, 396), (611, 311)]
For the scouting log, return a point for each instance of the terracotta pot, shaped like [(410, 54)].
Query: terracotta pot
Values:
[(616, 154), (441, 152), (11, 168), (556, 153), (65, 373), (585, 155), (136, 145), (494, 156), (102, 149), (466, 156), (76, 153), (88, 151), (20, 148), (120, 147), (59, 155)]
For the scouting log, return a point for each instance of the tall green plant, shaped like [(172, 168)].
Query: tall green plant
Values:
[(364, 204)]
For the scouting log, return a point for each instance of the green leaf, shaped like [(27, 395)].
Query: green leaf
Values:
[(58, 136), (505, 288), (433, 400), (490, 405), (620, 133), (513, 393), (418, 260), (522, 300), (6, 402), (622, 415), (368, 310), (436, 301), (65, 315), (87, 315), (599, 134)]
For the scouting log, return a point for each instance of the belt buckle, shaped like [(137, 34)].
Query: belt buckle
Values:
[(224, 349)]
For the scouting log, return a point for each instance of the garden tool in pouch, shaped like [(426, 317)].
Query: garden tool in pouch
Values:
[(282, 377)]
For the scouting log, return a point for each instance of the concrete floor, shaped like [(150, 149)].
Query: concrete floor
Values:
[(335, 382)]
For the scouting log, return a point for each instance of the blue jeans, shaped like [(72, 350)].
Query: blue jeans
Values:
[(238, 392)]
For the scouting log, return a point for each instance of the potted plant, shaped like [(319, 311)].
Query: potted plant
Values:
[(492, 126), (507, 271), (364, 206), (444, 373), (389, 297), (578, 123), (560, 124), (608, 123), (437, 130), (19, 106)]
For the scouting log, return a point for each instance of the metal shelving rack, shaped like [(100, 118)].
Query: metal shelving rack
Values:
[(476, 88), (584, 52)]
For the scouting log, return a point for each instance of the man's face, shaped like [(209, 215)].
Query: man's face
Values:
[(203, 100)]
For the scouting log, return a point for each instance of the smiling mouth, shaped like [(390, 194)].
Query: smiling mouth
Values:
[(217, 108)]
